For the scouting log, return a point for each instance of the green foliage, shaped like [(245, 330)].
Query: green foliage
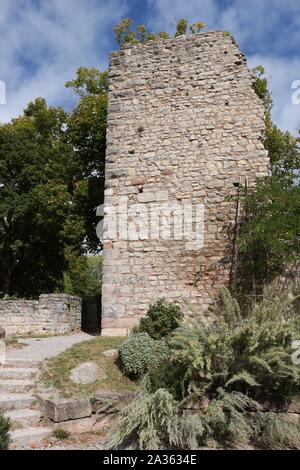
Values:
[(87, 133), (166, 377), (283, 150), (162, 318), (139, 352), (125, 35), (282, 146), (153, 421), (270, 232), (52, 166), (61, 434), (89, 82), (250, 355), (67, 284), (261, 87), (35, 200), (223, 369), (196, 27), (273, 431), (226, 420), (4, 436), (84, 275), (181, 27)]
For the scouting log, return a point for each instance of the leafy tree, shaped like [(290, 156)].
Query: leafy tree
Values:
[(86, 131), (52, 168), (83, 277), (36, 168), (282, 146), (269, 240)]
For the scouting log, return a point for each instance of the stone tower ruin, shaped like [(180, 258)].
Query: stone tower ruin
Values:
[(185, 127)]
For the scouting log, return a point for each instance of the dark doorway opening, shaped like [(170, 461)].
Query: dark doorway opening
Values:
[(91, 314)]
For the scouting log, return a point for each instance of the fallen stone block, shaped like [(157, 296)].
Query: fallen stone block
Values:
[(65, 409)]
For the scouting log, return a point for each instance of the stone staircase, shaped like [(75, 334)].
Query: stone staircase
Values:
[(17, 402)]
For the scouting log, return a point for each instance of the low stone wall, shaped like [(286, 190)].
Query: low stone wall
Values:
[(52, 313)]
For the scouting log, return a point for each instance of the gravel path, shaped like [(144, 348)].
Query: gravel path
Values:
[(38, 349)]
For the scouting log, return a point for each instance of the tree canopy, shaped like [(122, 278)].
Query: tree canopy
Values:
[(52, 168), (269, 241), (52, 180)]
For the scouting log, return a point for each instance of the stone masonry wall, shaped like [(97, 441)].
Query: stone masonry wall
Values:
[(184, 126), (53, 313)]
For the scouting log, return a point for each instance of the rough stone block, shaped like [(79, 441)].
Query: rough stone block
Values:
[(66, 409), (146, 197)]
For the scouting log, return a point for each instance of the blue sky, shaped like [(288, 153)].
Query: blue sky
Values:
[(43, 42)]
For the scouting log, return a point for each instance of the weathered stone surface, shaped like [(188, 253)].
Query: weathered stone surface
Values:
[(111, 353), (87, 373), (2, 332), (146, 197), (83, 425), (294, 407), (196, 127), (53, 313), (65, 409)]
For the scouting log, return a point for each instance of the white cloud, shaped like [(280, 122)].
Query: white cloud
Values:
[(267, 29), (281, 73), (43, 43)]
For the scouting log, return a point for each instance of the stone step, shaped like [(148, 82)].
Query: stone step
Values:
[(16, 386), (22, 438), (20, 363), (24, 418), (17, 372), (15, 401)]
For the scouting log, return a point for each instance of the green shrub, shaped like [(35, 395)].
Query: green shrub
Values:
[(225, 368), (157, 421), (4, 436), (274, 431), (226, 418), (249, 354), (138, 353), (153, 421), (161, 319)]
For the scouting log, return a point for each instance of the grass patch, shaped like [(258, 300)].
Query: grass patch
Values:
[(57, 373), (32, 335), (61, 434)]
